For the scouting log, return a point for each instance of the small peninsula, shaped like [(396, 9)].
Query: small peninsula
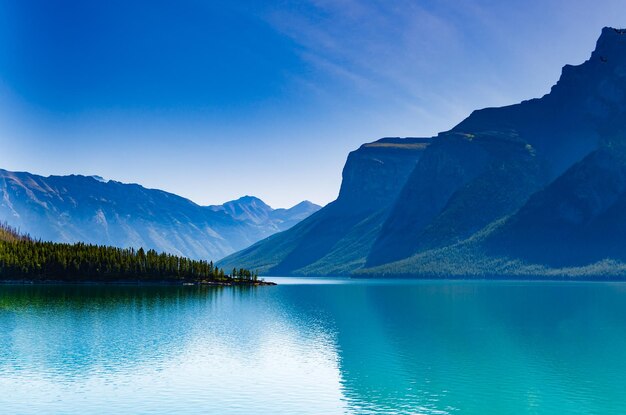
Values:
[(26, 260)]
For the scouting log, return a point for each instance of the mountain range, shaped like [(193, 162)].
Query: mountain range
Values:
[(532, 189), (90, 209)]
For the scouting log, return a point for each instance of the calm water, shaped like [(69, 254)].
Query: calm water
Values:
[(324, 347)]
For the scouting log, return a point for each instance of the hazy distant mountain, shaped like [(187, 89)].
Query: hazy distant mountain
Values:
[(536, 188), (254, 210), (90, 209)]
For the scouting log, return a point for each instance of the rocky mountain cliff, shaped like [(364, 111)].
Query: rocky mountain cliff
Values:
[(522, 189), (90, 209), (338, 238)]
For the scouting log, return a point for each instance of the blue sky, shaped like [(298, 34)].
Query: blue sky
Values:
[(216, 99)]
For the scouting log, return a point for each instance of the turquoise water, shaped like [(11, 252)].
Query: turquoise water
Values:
[(315, 347)]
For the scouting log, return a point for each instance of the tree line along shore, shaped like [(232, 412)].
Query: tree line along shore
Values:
[(25, 259)]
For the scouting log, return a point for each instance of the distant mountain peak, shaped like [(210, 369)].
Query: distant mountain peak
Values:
[(304, 203), (248, 201), (247, 198), (255, 210)]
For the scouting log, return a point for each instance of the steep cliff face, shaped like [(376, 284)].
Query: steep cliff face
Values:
[(338, 238), (375, 173), (449, 163), (89, 209)]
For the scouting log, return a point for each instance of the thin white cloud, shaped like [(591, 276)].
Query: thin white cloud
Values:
[(438, 61), (398, 52)]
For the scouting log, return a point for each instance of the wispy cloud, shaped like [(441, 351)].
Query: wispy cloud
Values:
[(386, 43), (438, 60), (398, 51)]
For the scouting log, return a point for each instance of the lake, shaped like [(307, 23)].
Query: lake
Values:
[(315, 347)]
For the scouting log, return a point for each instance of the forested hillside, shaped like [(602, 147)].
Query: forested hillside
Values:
[(23, 258)]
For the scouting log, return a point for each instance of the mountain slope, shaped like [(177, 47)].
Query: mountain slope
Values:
[(559, 129), (338, 237), (578, 219), (480, 199), (89, 209)]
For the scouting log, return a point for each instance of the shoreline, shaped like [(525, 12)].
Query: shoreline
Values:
[(141, 283)]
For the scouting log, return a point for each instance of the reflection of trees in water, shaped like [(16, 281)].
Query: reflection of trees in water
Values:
[(20, 296), (70, 330)]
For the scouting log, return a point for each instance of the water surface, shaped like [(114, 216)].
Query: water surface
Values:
[(323, 346)]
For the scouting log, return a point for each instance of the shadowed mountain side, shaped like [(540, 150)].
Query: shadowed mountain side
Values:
[(463, 182), (559, 129), (470, 259), (579, 219), (372, 177), (574, 228), (375, 173)]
